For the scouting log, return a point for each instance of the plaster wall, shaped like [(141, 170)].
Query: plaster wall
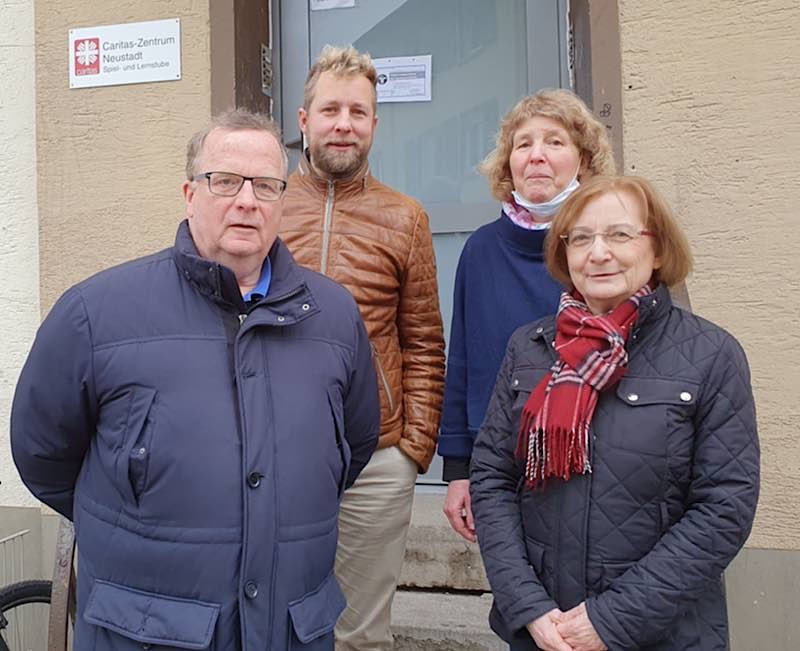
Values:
[(111, 159), (19, 296), (709, 114), (710, 95)]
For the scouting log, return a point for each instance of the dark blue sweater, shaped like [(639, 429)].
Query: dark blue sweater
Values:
[(501, 284)]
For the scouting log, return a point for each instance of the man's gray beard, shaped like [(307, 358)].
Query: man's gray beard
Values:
[(337, 164)]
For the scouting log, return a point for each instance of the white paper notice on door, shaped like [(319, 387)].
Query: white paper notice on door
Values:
[(321, 5), (404, 79)]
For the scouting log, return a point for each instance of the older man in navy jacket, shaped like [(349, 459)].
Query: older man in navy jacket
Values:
[(198, 414)]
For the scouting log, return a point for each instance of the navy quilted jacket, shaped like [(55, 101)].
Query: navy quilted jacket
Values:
[(645, 537), (201, 446)]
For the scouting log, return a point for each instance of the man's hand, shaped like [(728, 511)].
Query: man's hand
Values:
[(458, 509), (544, 632), (576, 629)]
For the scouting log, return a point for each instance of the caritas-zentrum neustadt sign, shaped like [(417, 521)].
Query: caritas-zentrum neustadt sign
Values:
[(132, 53)]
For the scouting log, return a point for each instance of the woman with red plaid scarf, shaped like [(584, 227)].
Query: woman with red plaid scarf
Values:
[(616, 474)]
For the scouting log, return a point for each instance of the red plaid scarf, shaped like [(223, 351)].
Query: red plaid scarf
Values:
[(554, 427)]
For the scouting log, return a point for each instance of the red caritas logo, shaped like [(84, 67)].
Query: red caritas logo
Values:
[(87, 56)]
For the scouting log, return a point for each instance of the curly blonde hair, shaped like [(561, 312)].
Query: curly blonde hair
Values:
[(343, 62), (586, 131)]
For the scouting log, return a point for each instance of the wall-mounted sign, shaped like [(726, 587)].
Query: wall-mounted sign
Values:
[(321, 5), (404, 79), (131, 53)]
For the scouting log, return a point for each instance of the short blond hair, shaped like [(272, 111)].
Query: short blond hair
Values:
[(234, 120), (670, 244), (342, 62), (564, 106)]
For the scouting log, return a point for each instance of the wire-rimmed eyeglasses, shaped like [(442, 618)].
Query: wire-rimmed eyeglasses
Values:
[(583, 238), (228, 184)]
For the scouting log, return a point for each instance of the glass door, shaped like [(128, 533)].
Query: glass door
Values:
[(485, 56)]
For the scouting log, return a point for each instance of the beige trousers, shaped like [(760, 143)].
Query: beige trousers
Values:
[(373, 524)]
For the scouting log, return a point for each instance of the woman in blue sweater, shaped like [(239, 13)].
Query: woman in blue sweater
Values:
[(547, 144)]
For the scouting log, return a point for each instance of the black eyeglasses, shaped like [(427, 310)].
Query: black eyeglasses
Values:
[(228, 184)]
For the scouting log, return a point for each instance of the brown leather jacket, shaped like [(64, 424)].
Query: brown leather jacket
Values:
[(377, 243)]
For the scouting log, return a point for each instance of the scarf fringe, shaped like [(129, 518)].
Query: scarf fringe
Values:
[(554, 453), (553, 438)]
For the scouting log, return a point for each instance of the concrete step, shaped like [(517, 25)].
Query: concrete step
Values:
[(436, 556), (438, 621)]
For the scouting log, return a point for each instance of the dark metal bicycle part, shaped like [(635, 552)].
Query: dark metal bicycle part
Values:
[(14, 600)]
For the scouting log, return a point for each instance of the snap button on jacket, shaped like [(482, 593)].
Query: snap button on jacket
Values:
[(201, 446), (644, 538)]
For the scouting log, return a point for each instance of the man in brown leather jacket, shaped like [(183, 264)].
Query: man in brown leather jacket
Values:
[(340, 220)]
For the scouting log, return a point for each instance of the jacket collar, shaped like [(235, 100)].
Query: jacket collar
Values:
[(288, 292), (652, 308), (357, 182)]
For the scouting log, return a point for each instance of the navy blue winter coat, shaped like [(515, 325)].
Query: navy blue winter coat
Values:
[(644, 538), (201, 446)]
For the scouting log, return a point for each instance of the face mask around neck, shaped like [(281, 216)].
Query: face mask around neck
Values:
[(548, 208)]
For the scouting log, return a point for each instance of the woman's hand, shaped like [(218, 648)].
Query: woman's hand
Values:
[(458, 508), (576, 629), (544, 632)]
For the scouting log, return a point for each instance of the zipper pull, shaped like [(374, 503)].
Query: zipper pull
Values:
[(242, 317)]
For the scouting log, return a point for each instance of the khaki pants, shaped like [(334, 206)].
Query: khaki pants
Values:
[(373, 523)]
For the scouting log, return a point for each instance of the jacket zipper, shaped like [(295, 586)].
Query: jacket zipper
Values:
[(326, 228), (382, 375), (243, 565), (271, 299)]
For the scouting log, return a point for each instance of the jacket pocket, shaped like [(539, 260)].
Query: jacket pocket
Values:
[(523, 381), (663, 518), (612, 570), (147, 618), (384, 380), (536, 559), (133, 462), (343, 447), (642, 391), (314, 615), (653, 409)]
